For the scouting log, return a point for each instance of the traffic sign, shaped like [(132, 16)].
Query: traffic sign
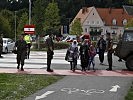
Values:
[(29, 29)]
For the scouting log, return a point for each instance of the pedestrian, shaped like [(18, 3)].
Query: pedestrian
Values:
[(84, 55), (1, 45), (101, 46), (72, 55), (109, 51), (92, 53), (28, 40), (50, 51), (21, 47)]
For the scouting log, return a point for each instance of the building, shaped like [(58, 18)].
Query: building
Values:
[(103, 20)]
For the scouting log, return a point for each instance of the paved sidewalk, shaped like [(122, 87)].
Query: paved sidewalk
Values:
[(122, 73)]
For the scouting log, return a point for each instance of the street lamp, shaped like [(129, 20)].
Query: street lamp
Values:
[(15, 25), (29, 12)]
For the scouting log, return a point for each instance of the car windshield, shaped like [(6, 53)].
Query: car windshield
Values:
[(128, 36)]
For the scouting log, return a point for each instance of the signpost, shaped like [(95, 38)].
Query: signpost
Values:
[(29, 29)]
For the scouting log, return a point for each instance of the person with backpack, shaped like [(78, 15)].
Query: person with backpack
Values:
[(92, 53), (84, 55), (72, 55)]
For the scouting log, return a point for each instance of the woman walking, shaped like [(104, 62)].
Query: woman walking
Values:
[(72, 55)]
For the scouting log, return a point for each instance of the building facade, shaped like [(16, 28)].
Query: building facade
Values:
[(103, 20)]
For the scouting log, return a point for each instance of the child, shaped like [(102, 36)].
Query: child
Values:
[(92, 53)]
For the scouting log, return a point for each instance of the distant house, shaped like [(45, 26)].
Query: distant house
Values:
[(103, 20)]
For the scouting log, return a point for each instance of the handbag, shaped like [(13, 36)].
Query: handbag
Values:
[(97, 50)]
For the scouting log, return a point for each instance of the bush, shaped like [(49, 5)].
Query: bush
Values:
[(57, 45)]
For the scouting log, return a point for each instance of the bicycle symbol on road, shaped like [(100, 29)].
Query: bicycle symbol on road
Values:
[(83, 92)]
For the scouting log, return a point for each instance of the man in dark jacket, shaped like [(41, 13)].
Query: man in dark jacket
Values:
[(21, 51), (1, 45), (102, 47), (50, 51), (109, 51)]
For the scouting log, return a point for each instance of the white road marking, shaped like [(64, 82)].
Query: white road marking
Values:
[(44, 95), (115, 88)]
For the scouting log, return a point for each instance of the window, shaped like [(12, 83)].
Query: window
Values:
[(93, 22), (98, 22), (114, 21), (124, 22), (85, 29)]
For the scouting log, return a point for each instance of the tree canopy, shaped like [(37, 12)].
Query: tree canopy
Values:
[(52, 19), (76, 28)]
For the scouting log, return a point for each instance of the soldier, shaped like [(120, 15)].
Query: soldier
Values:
[(1, 45), (109, 51), (21, 51), (50, 52)]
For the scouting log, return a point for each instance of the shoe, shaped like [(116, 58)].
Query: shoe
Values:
[(120, 60), (108, 69), (101, 63), (17, 67), (50, 70), (22, 69), (1, 56)]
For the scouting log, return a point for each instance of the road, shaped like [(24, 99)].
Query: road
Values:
[(85, 88), (38, 61)]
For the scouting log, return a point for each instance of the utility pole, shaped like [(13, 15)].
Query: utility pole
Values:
[(29, 12)]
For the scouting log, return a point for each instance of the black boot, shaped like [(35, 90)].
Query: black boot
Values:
[(22, 69), (18, 66)]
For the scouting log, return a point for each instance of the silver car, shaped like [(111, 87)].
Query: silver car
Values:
[(8, 45)]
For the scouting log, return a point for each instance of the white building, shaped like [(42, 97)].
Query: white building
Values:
[(103, 20)]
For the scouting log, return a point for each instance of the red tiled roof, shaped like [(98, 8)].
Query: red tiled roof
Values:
[(108, 14), (82, 16)]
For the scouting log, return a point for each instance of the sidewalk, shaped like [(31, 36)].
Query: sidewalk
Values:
[(122, 73)]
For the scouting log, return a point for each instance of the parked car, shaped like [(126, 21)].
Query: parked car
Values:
[(8, 45), (69, 38)]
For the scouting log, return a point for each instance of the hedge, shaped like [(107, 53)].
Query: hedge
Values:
[(57, 45)]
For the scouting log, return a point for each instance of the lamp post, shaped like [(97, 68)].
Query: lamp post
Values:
[(29, 12), (15, 25)]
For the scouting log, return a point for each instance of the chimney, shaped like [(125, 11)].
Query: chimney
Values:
[(84, 10), (110, 10)]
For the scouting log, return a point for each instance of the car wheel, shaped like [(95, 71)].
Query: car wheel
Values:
[(129, 63), (6, 50)]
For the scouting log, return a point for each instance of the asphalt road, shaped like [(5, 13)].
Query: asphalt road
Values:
[(85, 88)]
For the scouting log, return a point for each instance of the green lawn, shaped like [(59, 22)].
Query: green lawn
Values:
[(130, 94), (18, 86)]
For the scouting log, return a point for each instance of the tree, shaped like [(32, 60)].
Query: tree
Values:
[(5, 28), (76, 28), (38, 15), (38, 18), (23, 20), (130, 23), (52, 19), (10, 17)]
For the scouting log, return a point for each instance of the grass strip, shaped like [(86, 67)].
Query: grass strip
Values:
[(19, 86)]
